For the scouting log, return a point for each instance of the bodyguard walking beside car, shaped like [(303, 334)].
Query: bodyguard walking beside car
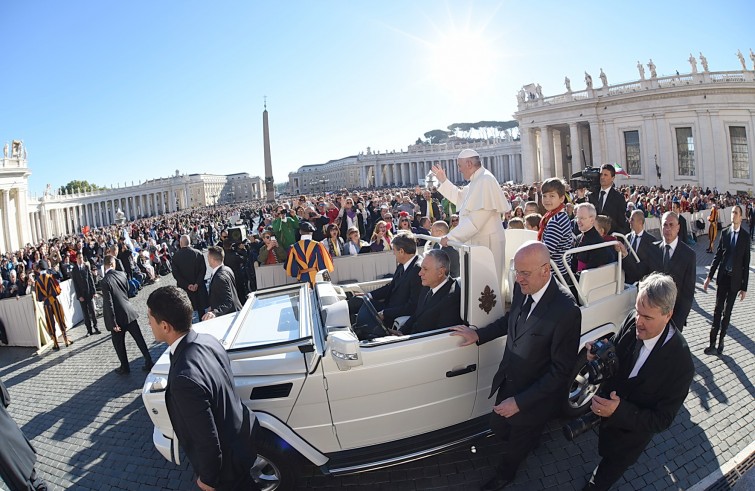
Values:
[(543, 330), (83, 283), (120, 316), (213, 426)]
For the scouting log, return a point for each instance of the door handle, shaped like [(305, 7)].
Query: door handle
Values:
[(461, 371)]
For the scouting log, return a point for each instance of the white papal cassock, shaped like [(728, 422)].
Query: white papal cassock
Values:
[(480, 205)]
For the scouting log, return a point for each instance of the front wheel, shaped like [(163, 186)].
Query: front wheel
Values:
[(580, 391), (277, 466)]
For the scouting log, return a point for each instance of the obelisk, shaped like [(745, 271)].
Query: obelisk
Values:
[(269, 187)]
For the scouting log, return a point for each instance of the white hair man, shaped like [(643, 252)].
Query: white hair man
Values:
[(479, 204)]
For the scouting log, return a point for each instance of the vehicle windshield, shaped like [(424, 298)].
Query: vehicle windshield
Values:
[(273, 318)]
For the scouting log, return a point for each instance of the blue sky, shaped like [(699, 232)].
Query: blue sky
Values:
[(115, 92)]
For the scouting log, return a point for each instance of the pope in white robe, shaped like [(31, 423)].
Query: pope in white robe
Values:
[(480, 205)]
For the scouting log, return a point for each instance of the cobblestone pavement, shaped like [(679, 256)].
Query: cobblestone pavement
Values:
[(91, 430)]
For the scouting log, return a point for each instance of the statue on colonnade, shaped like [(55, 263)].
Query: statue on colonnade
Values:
[(567, 83), (603, 78), (651, 67), (693, 63), (641, 69), (539, 92), (16, 146), (741, 59), (588, 80), (704, 62), (752, 57), (5, 150)]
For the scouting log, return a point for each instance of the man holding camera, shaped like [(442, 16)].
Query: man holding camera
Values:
[(654, 374), (542, 329)]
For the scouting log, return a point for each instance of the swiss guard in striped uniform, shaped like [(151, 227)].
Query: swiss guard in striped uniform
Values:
[(307, 257), (47, 289)]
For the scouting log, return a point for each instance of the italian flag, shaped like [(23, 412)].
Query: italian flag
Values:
[(620, 170)]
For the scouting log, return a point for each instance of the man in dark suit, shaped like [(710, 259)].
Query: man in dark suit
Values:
[(732, 260), (543, 330), (400, 296), (17, 457), (676, 207), (673, 257), (212, 425), (425, 198), (585, 215), (120, 316), (609, 201), (189, 270), (642, 243), (439, 300), (655, 372), (83, 283), (224, 298)]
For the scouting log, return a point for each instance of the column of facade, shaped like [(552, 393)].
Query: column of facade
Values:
[(597, 152), (546, 152), (529, 155), (576, 148)]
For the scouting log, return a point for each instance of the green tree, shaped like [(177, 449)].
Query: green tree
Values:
[(437, 136), (77, 186)]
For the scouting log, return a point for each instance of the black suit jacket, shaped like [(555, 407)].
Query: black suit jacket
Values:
[(615, 207), (633, 271), (400, 296), (116, 309), (422, 203), (223, 296), (540, 354), (740, 255), (83, 282), (437, 312), (18, 457), (682, 268), (649, 401), (213, 426), (189, 268)]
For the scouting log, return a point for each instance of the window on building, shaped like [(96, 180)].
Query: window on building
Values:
[(685, 151), (632, 147), (740, 154)]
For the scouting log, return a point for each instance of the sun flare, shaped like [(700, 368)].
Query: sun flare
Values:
[(462, 61)]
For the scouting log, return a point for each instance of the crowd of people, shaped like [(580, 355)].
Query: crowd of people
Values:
[(306, 232)]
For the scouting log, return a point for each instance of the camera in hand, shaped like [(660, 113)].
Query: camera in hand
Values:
[(603, 367), (589, 178)]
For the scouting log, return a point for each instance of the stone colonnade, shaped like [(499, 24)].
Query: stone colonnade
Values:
[(55, 218), (558, 150), (505, 167)]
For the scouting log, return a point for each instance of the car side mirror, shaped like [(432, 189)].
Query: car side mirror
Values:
[(344, 347)]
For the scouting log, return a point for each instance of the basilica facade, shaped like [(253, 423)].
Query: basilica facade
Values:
[(693, 128)]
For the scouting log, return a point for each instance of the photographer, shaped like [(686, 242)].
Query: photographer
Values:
[(655, 371)]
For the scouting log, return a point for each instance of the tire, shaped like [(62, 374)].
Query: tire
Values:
[(98, 304), (579, 392), (278, 466)]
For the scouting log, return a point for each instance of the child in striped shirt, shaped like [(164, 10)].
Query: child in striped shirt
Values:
[(555, 227)]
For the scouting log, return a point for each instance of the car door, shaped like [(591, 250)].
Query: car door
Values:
[(404, 387)]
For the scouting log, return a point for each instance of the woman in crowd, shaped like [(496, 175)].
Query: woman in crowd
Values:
[(355, 244), (271, 252), (351, 216), (333, 242), (381, 237)]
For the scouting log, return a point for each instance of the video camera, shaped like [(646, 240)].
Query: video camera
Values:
[(605, 366), (589, 178)]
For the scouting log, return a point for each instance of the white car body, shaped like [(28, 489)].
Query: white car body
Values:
[(348, 406)]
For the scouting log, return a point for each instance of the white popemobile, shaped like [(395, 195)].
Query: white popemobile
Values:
[(348, 405)]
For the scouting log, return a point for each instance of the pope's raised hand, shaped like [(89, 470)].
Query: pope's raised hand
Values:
[(439, 173)]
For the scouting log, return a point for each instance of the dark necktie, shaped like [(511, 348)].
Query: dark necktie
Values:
[(600, 202), (399, 272), (526, 307), (635, 356), (635, 242), (666, 258), (730, 256)]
